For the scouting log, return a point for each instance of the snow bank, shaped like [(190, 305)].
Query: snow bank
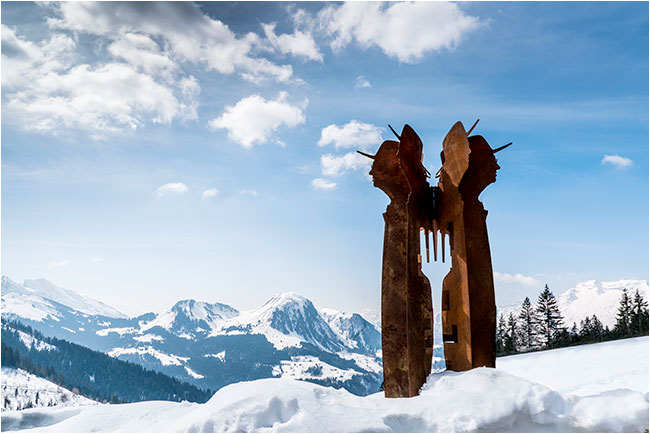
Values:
[(479, 400), (585, 369), (20, 390)]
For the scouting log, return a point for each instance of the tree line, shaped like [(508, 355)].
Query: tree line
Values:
[(94, 374), (542, 326)]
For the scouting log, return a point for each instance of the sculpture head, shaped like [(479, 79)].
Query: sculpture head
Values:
[(386, 171), (483, 166)]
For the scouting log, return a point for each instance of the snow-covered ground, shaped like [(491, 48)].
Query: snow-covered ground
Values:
[(21, 390), (585, 369), (509, 398)]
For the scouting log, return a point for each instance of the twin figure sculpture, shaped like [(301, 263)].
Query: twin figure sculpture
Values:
[(453, 209)]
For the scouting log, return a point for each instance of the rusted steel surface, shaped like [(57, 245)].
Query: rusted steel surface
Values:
[(453, 208), (468, 304), (407, 313), (387, 175)]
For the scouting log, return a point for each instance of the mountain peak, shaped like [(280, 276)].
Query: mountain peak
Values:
[(202, 311), (285, 298), (47, 290)]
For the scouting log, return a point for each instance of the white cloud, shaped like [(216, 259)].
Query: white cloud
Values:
[(617, 161), (336, 165), (142, 51), (253, 119), (248, 192), (210, 192), (323, 184), (105, 99), (188, 34), (46, 93), (24, 61), (403, 30), (299, 43), (57, 264), (361, 82), (172, 187), (516, 279), (353, 134)]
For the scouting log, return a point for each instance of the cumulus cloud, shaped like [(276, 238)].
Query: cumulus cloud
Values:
[(144, 47), (254, 119), (616, 161), (300, 44), (110, 98), (210, 192), (142, 51), (188, 34), (248, 192), (171, 188), (353, 134), (323, 184), (405, 31), (57, 264), (515, 279), (46, 91), (361, 82), (337, 165)]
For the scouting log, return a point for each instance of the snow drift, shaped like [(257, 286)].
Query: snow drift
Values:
[(479, 400), (483, 399)]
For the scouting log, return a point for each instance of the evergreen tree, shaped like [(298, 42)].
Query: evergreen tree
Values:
[(585, 330), (550, 318), (501, 334), (512, 332), (623, 317), (574, 335), (528, 321), (597, 330), (639, 315)]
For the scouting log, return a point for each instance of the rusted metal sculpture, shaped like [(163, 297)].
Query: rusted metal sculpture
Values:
[(407, 313), (453, 208), (468, 305)]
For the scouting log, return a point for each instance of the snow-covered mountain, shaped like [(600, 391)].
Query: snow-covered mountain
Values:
[(589, 298), (286, 320), (21, 390), (38, 289), (190, 318), (355, 331), (211, 345)]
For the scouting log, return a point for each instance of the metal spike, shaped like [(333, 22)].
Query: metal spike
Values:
[(470, 130), (494, 151), (396, 135), (435, 241), (367, 155), (426, 243)]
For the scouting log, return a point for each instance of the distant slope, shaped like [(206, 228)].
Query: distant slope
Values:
[(45, 289), (96, 375), (21, 390), (589, 298)]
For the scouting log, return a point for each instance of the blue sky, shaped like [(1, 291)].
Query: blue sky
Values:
[(154, 152)]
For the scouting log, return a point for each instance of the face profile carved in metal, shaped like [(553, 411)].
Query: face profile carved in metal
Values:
[(453, 209)]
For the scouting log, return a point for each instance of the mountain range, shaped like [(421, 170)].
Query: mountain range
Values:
[(211, 345)]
